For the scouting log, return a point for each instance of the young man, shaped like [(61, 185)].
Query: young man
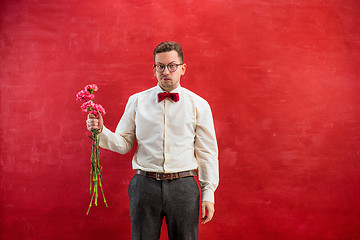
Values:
[(175, 134)]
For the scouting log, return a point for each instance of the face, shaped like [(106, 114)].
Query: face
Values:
[(168, 81)]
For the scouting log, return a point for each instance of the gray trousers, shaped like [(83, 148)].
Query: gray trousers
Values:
[(151, 200)]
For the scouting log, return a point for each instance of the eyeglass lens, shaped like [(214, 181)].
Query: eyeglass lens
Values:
[(161, 67)]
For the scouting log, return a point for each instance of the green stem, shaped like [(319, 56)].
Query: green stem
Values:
[(87, 213), (95, 171)]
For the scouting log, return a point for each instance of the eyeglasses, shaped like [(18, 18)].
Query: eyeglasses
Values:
[(172, 67)]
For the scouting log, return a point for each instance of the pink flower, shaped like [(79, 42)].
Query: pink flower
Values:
[(91, 88), (84, 95), (99, 108), (87, 106), (93, 108)]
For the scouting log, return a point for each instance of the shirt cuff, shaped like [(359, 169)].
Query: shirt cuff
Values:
[(104, 131), (208, 196)]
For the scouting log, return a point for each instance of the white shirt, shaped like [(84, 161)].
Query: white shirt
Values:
[(171, 136)]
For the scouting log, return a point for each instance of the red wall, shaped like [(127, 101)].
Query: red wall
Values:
[(282, 78)]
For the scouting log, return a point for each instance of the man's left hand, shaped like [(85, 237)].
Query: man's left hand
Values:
[(207, 211)]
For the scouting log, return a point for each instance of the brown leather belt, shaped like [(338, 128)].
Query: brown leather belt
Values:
[(166, 176)]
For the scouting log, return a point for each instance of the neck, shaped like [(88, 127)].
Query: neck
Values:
[(167, 89)]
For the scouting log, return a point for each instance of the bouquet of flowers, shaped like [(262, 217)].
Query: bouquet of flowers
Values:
[(87, 95)]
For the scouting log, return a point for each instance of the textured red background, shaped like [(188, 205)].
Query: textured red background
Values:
[(282, 78)]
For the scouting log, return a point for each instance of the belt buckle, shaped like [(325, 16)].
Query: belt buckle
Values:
[(157, 176)]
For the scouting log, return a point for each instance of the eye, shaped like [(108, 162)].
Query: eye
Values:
[(160, 67), (173, 66)]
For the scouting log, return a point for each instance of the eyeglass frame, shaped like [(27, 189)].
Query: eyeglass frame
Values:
[(167, 66)]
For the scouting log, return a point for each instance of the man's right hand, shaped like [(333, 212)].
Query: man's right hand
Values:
[(94, 123)]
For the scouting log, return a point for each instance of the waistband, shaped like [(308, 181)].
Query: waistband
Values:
[(167, 176)]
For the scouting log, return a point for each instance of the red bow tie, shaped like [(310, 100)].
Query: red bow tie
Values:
[(172, 96)]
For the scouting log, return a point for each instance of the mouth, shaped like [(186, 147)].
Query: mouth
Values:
[(166, 78)]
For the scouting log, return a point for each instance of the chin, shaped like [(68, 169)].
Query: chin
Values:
[(167, 85)]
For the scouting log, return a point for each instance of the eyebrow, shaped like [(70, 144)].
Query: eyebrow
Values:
[(164, 63)]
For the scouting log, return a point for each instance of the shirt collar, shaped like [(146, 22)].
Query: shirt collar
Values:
[(160, 90)]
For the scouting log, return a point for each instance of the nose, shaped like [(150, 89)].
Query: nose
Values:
[(166, 71)]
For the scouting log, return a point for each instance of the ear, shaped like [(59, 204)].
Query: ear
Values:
[(183, 69)]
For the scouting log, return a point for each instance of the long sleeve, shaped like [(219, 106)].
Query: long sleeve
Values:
[(123, 139), (206, 152)]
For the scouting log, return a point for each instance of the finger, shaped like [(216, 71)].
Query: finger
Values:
[(210, 215), (100, 121), (203, 211), (204, 217), (91, 116), (92, 122), (207, 218), (99, 115)]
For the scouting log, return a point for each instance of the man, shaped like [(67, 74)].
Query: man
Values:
[(175, 134)]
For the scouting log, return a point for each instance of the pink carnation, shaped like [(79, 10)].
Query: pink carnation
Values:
[(93, 108), (91, 88), (88, 95), (84, 95), (87, 106), (99, 108)]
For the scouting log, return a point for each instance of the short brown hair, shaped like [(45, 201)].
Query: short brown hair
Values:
[(169, 46)]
